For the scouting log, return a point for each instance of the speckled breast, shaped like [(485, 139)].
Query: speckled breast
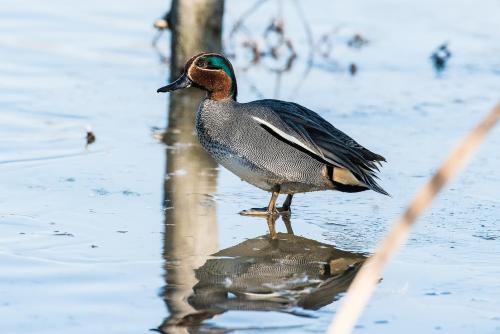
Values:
[(236, 142)]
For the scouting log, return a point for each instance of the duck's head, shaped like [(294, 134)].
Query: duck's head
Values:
[(211, 72)]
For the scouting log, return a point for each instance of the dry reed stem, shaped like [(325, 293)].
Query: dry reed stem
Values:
[(364, 283)]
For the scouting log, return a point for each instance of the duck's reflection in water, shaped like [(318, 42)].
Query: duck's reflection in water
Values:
[(280, 274), (286, 273)]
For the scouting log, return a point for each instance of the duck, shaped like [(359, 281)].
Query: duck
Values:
[(280, 147)]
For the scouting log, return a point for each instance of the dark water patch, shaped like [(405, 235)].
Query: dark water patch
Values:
[(64, 234), (130, 193), (101, 192), (486, 237)]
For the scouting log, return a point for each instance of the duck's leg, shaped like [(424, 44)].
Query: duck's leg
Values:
[(269, 210), (288, 223), (271, 224), (285, 208)]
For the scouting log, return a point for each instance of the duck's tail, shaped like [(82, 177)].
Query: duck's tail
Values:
[(373, 185), (347, 181)]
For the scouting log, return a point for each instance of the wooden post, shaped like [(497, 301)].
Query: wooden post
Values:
[(196, 26)]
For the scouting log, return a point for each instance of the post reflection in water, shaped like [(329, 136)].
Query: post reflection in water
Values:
[(285, 274), (191, 232)]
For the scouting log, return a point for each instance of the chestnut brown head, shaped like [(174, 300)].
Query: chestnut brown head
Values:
[(211, 72)]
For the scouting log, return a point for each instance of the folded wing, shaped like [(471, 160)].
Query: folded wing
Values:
[(307, 131)]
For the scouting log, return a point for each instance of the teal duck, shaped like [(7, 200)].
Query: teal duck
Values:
[(277, 146)]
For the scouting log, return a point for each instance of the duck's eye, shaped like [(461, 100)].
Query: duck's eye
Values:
[(202, 63)]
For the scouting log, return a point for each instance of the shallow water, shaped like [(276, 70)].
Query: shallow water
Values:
[(118, 237)]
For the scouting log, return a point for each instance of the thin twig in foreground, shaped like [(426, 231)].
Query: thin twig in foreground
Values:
[(364, 283)]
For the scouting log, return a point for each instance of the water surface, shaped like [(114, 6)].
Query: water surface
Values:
[(131, 234)]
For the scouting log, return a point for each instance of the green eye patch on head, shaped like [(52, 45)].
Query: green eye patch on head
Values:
[(216, 62)]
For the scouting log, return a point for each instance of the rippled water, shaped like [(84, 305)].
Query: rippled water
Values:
[(117, 237)]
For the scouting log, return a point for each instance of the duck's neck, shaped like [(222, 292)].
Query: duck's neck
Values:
[(217, 102), (220, 96), (226, 88)]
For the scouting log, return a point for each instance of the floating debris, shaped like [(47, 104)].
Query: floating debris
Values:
[(440, 57), (357, 41), (90, 137), (353, 69)]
